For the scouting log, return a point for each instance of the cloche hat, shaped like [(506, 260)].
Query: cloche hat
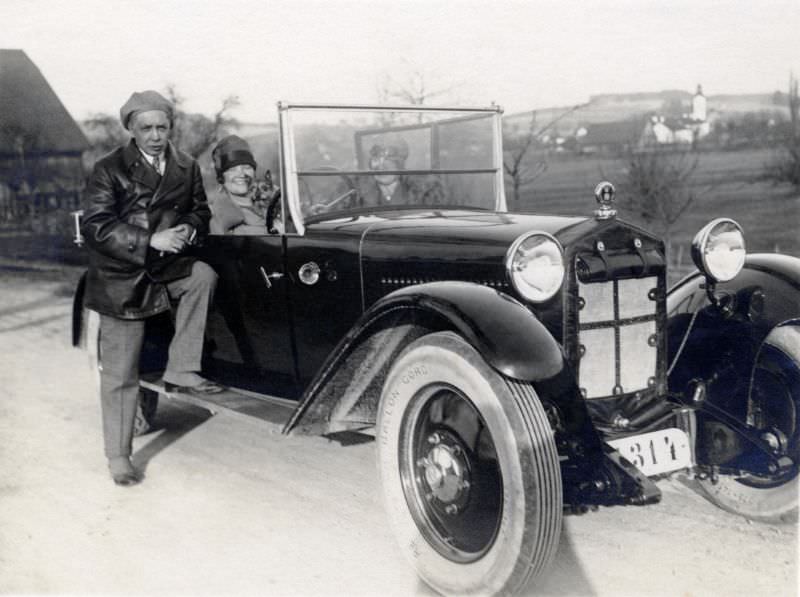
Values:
[(229, 152)]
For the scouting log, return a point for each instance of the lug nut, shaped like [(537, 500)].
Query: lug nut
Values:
[(451, 509)]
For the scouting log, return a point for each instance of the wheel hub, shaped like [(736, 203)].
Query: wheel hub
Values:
[(445, 471)]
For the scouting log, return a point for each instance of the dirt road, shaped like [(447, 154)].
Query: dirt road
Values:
[(232, 507)]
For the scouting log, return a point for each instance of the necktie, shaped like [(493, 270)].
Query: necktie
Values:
[(157, 164)]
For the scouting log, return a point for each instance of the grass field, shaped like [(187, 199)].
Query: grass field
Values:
[(726, 182)]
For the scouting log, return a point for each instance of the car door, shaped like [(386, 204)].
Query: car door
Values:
[(324, 287), (249, 331)]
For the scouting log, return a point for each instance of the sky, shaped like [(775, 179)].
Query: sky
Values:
[(519, 54)]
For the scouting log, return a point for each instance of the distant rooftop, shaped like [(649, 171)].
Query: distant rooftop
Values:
[(31, 111)]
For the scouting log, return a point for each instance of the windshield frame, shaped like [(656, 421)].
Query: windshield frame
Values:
[(288, 157)]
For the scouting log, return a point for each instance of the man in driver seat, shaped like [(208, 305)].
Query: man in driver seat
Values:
[(387, 188)]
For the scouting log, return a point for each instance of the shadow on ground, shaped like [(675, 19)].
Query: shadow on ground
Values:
[(173, 421)]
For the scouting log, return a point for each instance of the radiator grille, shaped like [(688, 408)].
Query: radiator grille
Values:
[(617, 343)]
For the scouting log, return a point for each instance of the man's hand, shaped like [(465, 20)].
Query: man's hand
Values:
[(188, 233), (171, 240)]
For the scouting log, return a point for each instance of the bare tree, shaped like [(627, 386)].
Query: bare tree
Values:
[(412, 86), (658, 188), (786, 166), (194, 133), (104, 133), (516, 144)]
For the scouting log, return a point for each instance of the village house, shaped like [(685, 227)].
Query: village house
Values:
[(655, 130), (41, 172)]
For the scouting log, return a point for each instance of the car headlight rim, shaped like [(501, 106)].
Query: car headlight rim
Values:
[(703, 259), (548, 248)]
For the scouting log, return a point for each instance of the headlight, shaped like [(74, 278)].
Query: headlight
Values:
[(535, 266), (718, 249)]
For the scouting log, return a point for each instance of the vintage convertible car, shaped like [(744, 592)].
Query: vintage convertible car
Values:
[(511, 366)]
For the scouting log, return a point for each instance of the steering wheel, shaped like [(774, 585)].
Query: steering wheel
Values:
[(323, 207), (320, 208)]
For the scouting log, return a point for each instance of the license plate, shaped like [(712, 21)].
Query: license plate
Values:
[(656, 452)]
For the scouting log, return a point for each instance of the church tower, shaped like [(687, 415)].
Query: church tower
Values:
[(699, 105)]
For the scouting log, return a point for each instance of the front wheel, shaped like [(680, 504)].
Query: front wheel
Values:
[(469, 470), (775, 396)]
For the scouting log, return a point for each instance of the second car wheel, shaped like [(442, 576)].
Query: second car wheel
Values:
[(775, 395), (469, 470)]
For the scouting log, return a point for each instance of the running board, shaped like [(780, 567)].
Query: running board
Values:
[(233, 401)]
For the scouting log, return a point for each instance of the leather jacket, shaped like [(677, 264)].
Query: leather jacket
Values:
[(125, 203)]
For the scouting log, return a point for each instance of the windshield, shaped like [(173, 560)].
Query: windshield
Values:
[(341, 160)]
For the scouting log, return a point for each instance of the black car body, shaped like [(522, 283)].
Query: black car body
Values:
[(511, 366)]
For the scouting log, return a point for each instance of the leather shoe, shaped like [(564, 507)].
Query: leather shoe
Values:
[(204, 388), (126, 479)]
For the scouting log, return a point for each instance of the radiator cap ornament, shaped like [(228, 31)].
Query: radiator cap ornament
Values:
[(604, 195)]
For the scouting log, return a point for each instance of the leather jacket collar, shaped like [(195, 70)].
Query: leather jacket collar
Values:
[(131, 155), (139, 171)]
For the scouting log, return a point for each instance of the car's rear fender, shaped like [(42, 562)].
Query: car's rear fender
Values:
[(345, 393)]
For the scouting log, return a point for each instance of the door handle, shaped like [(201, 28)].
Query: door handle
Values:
[(267, 277)]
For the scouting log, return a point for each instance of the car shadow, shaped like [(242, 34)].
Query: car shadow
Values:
[(174, 419), (350, 438)]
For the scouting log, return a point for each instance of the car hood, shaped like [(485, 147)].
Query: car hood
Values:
[(429, 246), (481, 234), (419, 247)]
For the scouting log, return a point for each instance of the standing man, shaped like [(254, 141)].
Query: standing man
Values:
[(144, 205)]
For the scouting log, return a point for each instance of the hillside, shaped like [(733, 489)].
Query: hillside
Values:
[(625, 106)]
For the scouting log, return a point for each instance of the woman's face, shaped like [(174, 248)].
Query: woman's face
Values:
[(239, 179)]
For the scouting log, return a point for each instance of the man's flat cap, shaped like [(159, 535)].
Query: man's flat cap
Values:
[(144, 101)]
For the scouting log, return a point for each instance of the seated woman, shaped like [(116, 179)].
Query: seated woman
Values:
[(234, 208)]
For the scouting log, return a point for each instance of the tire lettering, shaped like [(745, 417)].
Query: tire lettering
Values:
[(388, 409), (412, 374)]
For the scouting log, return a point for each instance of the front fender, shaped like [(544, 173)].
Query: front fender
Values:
[(345, 392), (505, 332), (709, 343)]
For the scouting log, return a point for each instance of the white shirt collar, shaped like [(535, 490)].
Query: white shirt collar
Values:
[(162, 159)]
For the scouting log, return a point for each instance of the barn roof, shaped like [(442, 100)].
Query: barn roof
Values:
[(31, 111)]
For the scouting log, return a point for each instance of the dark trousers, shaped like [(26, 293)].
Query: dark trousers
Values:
[(121, 345)]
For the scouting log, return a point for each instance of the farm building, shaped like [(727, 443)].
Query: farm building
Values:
[(610, 137), (41, 172)]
